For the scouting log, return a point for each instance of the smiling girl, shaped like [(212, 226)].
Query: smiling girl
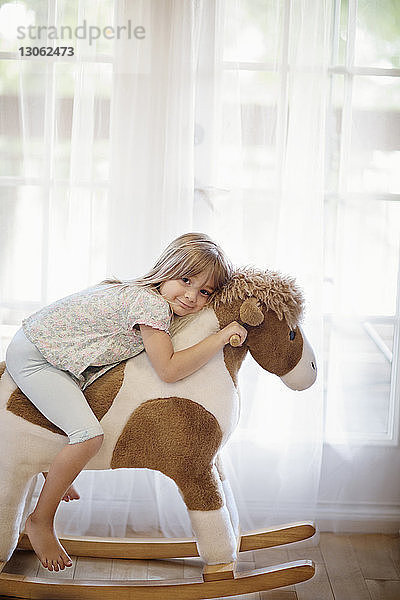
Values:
[(63, 347)]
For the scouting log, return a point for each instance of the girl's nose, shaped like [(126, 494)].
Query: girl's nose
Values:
[(190, 295)]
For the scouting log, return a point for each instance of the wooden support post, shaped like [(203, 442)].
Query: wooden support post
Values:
[(223, 570)]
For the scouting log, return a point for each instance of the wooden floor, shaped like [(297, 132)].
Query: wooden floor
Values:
[(348, 567)]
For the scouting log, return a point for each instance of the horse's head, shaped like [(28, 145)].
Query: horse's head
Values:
[(270, 306)]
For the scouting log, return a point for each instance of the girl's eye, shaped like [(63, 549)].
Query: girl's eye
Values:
[(205, 292), (185, 279)]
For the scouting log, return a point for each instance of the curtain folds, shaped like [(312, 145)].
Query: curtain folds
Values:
[(152, 129), (188, 149)]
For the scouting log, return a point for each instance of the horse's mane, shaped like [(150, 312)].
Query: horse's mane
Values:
[(275, 290)]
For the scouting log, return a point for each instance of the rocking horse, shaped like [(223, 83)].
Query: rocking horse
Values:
[(177, 429)]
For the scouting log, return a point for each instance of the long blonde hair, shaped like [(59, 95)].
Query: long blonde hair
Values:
[(186, 256)]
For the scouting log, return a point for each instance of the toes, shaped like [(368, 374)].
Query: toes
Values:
[(61, 563)]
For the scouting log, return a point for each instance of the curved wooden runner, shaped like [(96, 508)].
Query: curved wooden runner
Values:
[(158, 548), (185, 589), (258, 580)]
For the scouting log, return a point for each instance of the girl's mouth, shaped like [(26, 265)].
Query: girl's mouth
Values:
[(184, 305)]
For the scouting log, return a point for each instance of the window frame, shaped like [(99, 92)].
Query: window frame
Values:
[(349, 70)]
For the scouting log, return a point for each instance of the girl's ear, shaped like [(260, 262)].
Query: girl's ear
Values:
[(251, 313)]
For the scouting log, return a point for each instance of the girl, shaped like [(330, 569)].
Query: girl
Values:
[(66, 345)]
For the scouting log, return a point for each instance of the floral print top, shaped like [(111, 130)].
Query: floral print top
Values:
[(91, 331)]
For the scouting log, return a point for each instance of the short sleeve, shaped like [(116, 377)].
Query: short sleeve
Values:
[(146, 307)]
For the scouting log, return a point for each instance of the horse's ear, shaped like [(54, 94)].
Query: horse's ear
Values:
[(251, 313)]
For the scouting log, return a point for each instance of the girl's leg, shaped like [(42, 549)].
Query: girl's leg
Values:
[(58, 397), (71, 493), (40, 524)]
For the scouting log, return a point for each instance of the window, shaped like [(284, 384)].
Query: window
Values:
[(363, 224), (42, 187), (362, 189)]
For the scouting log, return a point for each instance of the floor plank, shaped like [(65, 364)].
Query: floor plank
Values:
[(344, 573), (165, 569), (93, 568), (383, 590), (374, 556), (278, 595), (393, 542), (23, 563), (255, 596), (318, 587), (272, 556), (192, 567), (129, 569)]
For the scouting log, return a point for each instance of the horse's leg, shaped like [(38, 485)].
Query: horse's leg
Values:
[(216, 539), (15, 471), (229, 497), (15, 487)]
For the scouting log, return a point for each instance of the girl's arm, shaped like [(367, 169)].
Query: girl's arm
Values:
[(171, 366)]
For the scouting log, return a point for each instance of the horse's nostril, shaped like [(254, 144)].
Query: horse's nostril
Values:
[(313, 366)]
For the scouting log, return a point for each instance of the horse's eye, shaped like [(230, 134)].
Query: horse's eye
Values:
[(292, 334)]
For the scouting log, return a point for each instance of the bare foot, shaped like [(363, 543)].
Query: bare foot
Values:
[(71, 494), (46, 545)]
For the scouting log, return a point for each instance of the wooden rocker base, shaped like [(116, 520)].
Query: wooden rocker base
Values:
[(185, 589), (215, 582)]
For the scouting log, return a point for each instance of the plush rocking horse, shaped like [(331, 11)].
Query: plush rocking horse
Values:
[(178, 429)]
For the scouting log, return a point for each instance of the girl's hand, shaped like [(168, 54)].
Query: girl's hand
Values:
[(233, 328)]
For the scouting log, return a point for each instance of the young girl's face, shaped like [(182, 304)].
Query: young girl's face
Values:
[(188, 295)]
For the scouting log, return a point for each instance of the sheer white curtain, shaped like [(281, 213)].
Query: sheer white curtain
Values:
[(262, 196), (182, 148)]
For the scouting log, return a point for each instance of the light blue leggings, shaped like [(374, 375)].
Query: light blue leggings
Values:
[(51, 390)]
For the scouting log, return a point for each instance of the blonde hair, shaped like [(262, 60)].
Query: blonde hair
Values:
[(186, 256)]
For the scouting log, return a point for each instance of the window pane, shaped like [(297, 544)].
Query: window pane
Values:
[(333, 138), (359, 376), (15, 20), (374, 162), (21, 234), (361, 336), (77, 239), (342, 31), (85, 15), (95, 82), (367, 240), (252, 31), (23, 146), (22, 110), (252, 169), (377, 36), (257, 120)]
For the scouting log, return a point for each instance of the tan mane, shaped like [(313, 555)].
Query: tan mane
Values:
[(275, 290)]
